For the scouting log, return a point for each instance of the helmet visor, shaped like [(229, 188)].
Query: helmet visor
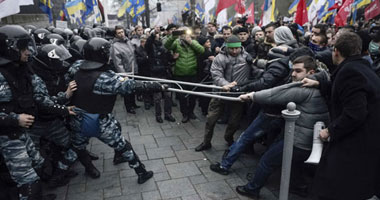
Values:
[(25, 44), (59, 53)]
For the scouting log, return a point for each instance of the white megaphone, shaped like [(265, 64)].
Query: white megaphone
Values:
[(316, 151)]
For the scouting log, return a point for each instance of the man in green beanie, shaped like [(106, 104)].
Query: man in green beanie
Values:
[(232, 66)]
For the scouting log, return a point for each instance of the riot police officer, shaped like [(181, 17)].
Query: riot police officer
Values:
[(97, 87), (49, 124), (20, 91)]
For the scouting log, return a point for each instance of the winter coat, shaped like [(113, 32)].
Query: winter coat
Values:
[(249, 46), (123, 55), (142, 61), (159, 58), (309, 102), (204, 65), (186, 63), (226, 68), (351, 160)]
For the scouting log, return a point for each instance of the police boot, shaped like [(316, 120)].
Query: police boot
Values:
[(93, 156), (58, 179), (33, 191), (85, 160), (142, 174)]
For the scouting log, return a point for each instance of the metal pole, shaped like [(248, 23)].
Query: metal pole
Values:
[(171, 81), (192, 14), (204, 94), (290, 115)]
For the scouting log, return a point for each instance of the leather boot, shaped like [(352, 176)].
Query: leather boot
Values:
[(58, 179), (142, 174), (92, 155), (32, 191), (85, 160)]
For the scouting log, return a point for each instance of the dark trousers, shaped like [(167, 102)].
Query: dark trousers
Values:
[(129, 100), (186, 102), (272, 159), (167, 103)]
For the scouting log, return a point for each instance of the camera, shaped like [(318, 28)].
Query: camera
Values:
[(178, 32)]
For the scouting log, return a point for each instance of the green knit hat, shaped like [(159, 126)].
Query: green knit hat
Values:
[(233, 41)]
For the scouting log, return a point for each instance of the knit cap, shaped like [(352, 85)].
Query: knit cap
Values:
[(233, 41)]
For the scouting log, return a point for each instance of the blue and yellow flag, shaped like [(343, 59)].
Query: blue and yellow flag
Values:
[(229, 22), (293, 7), (89, 8), (187, 7), (46, 6), (139, 8), (200, 11), (361, 3), (126, 6), (75, 10)]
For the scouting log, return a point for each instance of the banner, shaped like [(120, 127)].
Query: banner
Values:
[(372, 10)]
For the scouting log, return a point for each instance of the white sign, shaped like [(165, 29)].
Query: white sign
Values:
[(61, 24)]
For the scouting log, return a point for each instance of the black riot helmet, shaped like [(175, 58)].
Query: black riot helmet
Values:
[(53, 39), (52, 57), (98, 32), (60, 32), (50, 28), (13, 39), (69, 33), (96, 52), (76, 49), (30, 29), (75, 38), (39, 35)]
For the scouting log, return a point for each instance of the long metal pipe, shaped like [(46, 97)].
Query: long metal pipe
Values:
[(171, 81), (204, 94)]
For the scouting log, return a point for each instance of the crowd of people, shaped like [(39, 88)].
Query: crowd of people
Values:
[(58, 88)]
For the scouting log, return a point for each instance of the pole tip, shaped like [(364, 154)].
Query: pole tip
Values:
[(291, 106)]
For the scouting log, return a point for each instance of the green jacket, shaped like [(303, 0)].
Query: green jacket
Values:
[(186, 63)]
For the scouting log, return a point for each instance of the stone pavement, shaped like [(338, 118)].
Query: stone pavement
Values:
[(168, 150)]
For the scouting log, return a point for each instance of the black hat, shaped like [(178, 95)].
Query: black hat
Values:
[(241, 29), (170, 26), (202, 40), (303, 51)]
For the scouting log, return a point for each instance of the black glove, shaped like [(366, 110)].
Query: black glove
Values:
[(148, 86), (235, 88)]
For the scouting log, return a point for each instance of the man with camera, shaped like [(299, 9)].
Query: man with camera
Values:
[(185, 68)]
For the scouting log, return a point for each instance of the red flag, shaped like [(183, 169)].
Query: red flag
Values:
[(101, 9), (251, 14), (261, 17), (344, 11), (337, 5), (240, 6), (301, 13), (372, 10), (224, 4)]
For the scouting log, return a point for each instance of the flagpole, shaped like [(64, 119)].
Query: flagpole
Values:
[(105, 6)]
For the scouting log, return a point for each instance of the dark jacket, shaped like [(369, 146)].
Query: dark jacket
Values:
[(204, 65), (249, 47), (350, 161), (142, 61), (159, 58)]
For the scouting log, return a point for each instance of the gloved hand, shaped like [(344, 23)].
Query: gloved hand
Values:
[(151, 86), (241, 88), (235, 88)]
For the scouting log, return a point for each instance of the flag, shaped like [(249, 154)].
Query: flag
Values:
[(240, 6), (372, 10), (362, 3), (125, 7), (200, 12), (209, 10), (230, 21), (293, 7), (187, 7), (344, 11), (101, 9), (224, 4), (325, 8), (9, 7), (75, 10), (63, 13), (313, 10), (25, 2), (139, 8), (301, 14), (251, 13), (46, 6), (268, 12)]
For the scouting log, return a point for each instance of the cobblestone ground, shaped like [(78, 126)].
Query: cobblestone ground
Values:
[(168, 150)]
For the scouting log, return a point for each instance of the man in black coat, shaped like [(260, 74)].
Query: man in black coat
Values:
[(350, 164)]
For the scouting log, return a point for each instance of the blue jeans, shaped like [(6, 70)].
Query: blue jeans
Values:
[(250, 135), (271, 160)]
